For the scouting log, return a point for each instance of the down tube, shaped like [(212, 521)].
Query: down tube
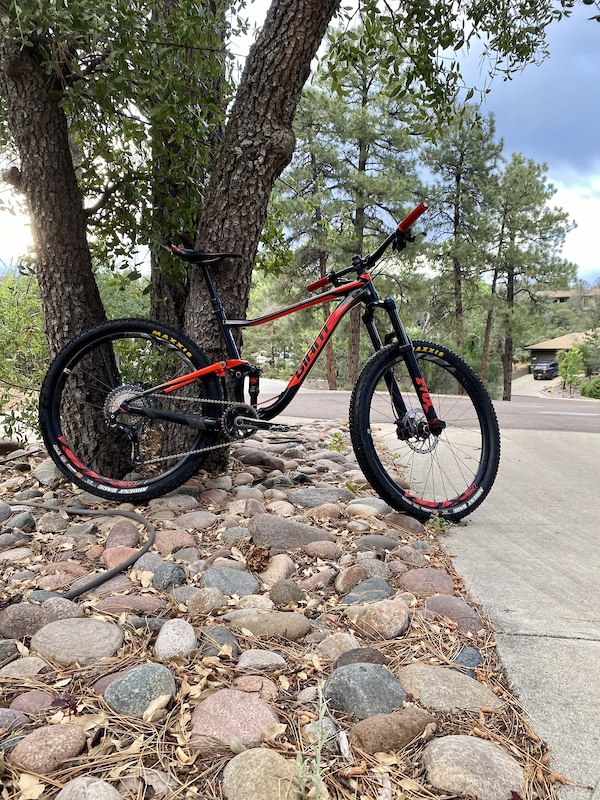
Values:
[(288, 394)]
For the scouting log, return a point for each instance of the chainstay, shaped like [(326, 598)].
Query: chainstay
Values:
[(200, 450)]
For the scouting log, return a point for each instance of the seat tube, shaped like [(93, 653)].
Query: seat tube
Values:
[(219, 312)]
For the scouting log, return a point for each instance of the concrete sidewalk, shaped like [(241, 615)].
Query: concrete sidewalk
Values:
[(531, 556)]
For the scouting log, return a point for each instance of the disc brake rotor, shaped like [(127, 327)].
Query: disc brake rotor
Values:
[(414, 430)]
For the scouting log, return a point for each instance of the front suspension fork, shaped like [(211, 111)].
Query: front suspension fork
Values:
[(436, 425)]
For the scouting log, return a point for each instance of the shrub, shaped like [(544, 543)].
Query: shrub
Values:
[(591, 388)]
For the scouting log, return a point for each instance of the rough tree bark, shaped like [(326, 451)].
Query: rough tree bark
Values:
[(258, 144), (39, 128)]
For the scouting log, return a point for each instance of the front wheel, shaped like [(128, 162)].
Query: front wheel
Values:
[(90, 435), (413, 470)]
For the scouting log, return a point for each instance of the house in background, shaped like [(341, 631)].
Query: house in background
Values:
[(547, 351), (581, 298)]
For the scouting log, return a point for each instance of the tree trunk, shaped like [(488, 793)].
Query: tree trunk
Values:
[(258, 144), (507, 358), (485, 354), (456, 265), (177, 203), (329, 359), (70, 298), (321, 236)]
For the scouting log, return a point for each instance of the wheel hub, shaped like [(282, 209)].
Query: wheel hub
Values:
[(413, 429)]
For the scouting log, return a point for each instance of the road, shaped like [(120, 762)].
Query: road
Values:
[(528, 410)]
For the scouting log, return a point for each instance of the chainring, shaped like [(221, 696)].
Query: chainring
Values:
[(236, 433)]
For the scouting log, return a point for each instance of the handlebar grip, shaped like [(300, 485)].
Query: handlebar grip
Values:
[(312, 287), (412, 217)]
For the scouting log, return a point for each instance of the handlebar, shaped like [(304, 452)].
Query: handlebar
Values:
[(412, 217), (359, 264)]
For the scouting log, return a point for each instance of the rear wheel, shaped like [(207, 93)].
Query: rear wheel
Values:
[(414, 471), (94, 441)]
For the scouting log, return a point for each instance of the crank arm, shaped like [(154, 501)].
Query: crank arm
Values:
[(263, 424), (190, 420)]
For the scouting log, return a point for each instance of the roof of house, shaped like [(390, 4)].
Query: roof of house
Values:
[(565, 342), (569, 292)]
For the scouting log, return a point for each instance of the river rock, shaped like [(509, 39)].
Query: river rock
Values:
[(312, 497), (405, 523), (384, 618), (52, 522), (214, 637), (21, 620), (259, 774), (84, 640), (361, 655), (273, 624), (427, 581), (176, 638), (280, 567), (204, 601), (456, 609), (254, 660), (336, 644), (48, 474), (285, 592), (370, 590), (61, 608), (169, 575), (349, 578), (374, 541), (169, 540), (11, 719), (45, 749), (197, 520), (387, 732), (363, 690), (32, 702), (123, 534), (328, 551), (230, 581), (88, 788), (26, 667), (132, 693), (466, 765), (446, 689), (227, 715), (284, 534), (147, 605)]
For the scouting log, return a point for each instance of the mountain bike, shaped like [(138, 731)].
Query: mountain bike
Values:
[(132, 408)]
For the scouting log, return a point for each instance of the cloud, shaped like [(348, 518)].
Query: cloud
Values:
[(551, 112)]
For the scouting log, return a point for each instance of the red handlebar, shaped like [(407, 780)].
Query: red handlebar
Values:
[(412, 217), (369, 261)]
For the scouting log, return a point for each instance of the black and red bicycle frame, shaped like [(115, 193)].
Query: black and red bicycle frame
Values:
[(350, 293)]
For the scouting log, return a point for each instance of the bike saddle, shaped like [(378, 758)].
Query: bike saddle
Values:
[(200, 257)]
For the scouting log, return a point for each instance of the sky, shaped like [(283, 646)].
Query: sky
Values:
[(550, 113)]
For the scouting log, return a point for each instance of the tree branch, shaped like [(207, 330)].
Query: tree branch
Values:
[(102, 201)]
